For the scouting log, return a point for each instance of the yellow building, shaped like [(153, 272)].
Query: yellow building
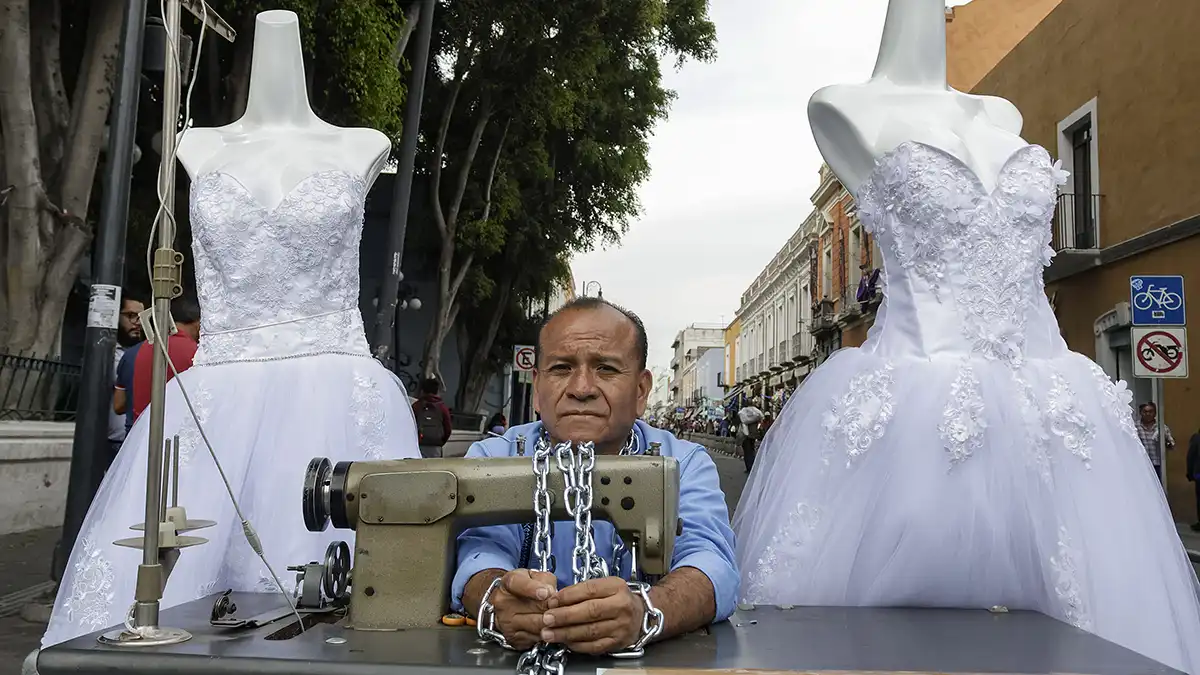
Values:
[(732, 332), (1109, 88)]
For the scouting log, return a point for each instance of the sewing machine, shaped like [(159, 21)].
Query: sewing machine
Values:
[(406, 515)]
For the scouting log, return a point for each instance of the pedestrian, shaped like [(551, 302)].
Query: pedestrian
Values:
[(433, 419), (181, 349), (498, 425), (1147, 429), (1193, 473), (748, 433), (129, 335)]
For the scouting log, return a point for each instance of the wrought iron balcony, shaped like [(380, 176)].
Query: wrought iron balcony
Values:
[(1075, 219)]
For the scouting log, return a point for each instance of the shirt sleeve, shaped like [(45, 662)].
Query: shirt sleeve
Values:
[(481, 548), (182, 355), (707, 540), (125, 370)]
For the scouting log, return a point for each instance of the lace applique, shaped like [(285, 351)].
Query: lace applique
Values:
[(932, 214), (368, 417), (861, 415), (786, 550), (1066, 421), (260, 267), (963, 423), (190, 441), (1066, 583), (1119, 401), (1037, 439), (89, 604)]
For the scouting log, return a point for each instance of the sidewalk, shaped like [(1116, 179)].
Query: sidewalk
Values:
[(25, 559)]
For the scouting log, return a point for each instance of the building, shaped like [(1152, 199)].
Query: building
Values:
[(689, 345), (659, 400), (729, 376), (980, 33), (773, 348), (1109, 88), (702, 378), (844, 272)]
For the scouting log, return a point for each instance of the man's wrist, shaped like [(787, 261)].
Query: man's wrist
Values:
[(476, 586)]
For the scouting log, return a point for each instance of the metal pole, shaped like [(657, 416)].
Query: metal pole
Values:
[(165, 284), (385, 339), (1162, 440), (95, 397)]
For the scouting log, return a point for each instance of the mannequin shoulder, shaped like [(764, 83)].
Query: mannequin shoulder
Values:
[(367, 139), (837, 127), (1003, 113), (196, 147)]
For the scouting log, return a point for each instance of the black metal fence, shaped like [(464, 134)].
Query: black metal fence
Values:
[(38, 388)]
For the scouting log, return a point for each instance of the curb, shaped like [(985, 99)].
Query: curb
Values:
[(14, 602)]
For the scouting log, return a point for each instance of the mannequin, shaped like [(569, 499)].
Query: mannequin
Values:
[(280, 141), (908, 99)]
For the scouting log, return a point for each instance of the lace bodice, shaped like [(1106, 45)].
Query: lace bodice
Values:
[(963, 265), (278, 282)]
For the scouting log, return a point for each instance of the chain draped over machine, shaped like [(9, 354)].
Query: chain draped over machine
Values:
[(576, 462)]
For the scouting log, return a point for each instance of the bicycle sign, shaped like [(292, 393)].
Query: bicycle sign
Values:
[(1160, 352), (1157, 300)]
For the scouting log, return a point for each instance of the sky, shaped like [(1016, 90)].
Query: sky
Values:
[(734, 164)]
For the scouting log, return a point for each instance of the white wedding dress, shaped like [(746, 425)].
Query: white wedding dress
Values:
[(283, 374), (963, 456)]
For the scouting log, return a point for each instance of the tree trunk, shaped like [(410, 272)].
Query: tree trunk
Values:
[(473, 383), (51, 151)]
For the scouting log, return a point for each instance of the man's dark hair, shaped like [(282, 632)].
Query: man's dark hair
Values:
[(592, 302), (430, 386), (185, 310), (1148, 404)]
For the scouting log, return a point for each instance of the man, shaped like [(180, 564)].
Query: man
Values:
[(1147, 429), (748, 433), (129, 334), (591, 384), (433, 419), (181, 349)]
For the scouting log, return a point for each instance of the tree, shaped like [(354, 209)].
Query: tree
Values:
[(51, 144), (582, 83)]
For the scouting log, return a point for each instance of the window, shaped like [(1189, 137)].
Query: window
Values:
[(827, 273), (1077, 222), (854, 258)]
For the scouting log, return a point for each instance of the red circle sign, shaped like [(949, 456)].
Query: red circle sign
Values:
[(1159, 352), (525, 358)]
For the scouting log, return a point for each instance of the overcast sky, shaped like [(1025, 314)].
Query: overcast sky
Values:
[(734, 164)]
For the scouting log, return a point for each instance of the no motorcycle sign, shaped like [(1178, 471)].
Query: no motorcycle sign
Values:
[(1160, 352)]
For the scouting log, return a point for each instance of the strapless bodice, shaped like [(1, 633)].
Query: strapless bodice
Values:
[(962, 264), (282, 281)]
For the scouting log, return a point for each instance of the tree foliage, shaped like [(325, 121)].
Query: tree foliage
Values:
[(577, 89)]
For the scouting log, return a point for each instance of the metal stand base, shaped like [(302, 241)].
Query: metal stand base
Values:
[(158, 636)]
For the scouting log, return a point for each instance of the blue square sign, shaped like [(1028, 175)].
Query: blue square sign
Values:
[(1157, 300)]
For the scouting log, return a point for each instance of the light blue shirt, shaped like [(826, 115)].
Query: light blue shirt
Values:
[(706, 543)]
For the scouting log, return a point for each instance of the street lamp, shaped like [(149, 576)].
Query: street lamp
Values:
[(599, 289)]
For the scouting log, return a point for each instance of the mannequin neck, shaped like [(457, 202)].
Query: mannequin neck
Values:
[(912, 52), (278, 93)]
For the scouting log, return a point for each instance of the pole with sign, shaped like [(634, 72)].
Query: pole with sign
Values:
[(1159, 340)]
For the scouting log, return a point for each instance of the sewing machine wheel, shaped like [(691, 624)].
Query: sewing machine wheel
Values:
[(316, 494), (223, 607), (336, 579)]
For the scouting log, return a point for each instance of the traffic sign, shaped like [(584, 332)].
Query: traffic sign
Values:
[(1159, 352), (1157, 300), (523, 358)]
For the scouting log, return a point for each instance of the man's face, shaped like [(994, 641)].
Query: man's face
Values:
[(1148, 414), (129, 325), (589, 384)]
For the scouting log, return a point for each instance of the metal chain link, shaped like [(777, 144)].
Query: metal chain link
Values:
[(576, 464)]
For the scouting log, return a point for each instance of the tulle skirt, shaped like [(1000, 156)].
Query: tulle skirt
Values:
[(265, 421), (961, 482)]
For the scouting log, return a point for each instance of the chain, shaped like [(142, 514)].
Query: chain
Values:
[(576, 463)]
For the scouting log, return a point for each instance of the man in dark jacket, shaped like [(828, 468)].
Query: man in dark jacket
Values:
[(433, 419)]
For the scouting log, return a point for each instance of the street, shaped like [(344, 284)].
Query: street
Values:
[(25, 559)]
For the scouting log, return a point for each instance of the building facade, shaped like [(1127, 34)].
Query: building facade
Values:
[(733, 331), (845, 270), (773, 350), (689, 345), (980, 33), (1109, 88)]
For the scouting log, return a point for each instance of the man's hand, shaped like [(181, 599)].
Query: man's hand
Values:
[(599, 616), (519, 603)]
